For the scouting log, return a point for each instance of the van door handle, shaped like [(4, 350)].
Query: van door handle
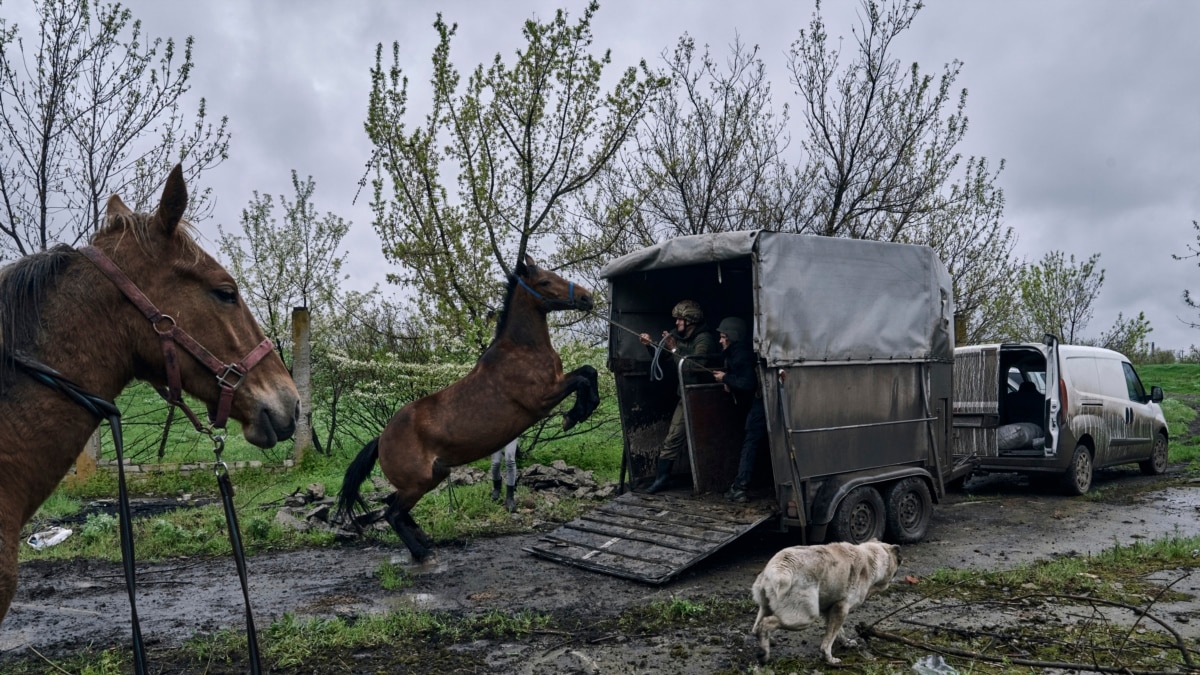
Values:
[(1129, 416)]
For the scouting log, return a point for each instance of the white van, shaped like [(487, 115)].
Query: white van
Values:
[(1050, 409)]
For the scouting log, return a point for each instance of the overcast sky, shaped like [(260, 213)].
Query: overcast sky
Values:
[(1094, 105)]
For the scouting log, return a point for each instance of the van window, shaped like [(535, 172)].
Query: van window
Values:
[(1112, 379), (1081, 370), (1134, 384)]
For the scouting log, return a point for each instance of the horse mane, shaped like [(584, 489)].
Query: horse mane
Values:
[(138, 225), (502, 319), (23, 288), (25, 283)]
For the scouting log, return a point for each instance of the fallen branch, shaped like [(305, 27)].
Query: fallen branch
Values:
[(873, 631)]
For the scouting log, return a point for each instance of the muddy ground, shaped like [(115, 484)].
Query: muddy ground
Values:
[(1002, 521)]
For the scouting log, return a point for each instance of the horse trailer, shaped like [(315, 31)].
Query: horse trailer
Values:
[(853, 342)]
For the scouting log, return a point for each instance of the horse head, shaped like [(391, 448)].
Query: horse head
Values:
[(197, 297), (553, 291)]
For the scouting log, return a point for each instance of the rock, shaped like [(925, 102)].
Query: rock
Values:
[(316, 492), (286, 519), (320, 513)]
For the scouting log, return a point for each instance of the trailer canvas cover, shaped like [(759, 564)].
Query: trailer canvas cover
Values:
[(826, 299)]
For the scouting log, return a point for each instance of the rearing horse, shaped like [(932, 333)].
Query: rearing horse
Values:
[(62, 312), (518, 381)]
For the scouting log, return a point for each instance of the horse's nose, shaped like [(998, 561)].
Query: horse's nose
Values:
[(584, 301)]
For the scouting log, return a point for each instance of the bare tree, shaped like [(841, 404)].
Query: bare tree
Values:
[(1058, 296), (522, 137), (91, 108), (290, 263), (710, 143), (881, 162)]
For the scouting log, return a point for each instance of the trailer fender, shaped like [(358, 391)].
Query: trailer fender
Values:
[(835, 489)]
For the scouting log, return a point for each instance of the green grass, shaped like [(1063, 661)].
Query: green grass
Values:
[(291, 642), (1117, 574), (1181, 387), (393, 577), (1175, 378), (143, 425)]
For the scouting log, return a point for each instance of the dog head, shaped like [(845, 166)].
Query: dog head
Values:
[(885, 559)]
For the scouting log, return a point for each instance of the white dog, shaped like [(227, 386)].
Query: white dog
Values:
[(801, 583)]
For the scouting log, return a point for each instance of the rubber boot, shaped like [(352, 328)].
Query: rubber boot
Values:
[(510, 499), (496, 490), (664, 475)]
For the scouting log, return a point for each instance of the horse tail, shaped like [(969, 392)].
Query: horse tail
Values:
[(349, 499)]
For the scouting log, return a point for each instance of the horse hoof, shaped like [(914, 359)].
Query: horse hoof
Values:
[(568, 422)]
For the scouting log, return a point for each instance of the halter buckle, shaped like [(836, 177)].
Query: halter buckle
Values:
[(226, 380)]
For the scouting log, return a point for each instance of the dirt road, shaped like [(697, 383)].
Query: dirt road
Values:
[(61, 607)]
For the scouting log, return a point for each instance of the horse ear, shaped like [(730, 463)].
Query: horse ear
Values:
[(174, 200), (116, 208), (527, 266)]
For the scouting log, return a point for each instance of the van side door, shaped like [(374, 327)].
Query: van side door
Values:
[(1141, 416), (1124, 443)]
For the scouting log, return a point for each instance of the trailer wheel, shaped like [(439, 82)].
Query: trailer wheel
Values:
[(909, 508), (1078, 478), (859, 517)]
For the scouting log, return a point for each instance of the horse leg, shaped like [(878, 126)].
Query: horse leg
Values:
[(416, 530), (400, 519), (8, 569), (439, 473), (585, 383)]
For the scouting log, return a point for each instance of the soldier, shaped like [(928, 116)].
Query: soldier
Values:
[(690, 338)]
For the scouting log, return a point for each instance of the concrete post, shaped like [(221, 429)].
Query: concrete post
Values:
[(302, 375)]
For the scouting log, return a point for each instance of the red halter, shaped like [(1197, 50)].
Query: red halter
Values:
[(229, 375)]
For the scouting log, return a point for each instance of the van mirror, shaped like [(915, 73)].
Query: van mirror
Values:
[(1049, 340), (1156, 394)]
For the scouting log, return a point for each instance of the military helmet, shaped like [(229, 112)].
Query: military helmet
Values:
[(733, 328), (688, 310)]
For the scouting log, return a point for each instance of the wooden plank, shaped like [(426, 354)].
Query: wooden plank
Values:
[(650, 538), (619, 546)]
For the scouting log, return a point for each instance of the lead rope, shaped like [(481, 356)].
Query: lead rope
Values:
[(107, 410), (656, 370), (235, 542), (104, 410)]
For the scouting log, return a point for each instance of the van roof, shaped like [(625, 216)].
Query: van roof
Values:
[(1064, 350)]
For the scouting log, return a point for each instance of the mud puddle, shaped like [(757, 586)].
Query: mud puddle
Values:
[(1000, 522)]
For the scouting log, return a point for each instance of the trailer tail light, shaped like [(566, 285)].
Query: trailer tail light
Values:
[(792, 512)]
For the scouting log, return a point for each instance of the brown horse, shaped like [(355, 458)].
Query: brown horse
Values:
[(60, 311), (518, 381)]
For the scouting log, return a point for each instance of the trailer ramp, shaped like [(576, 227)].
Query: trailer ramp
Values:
[(651, 538)]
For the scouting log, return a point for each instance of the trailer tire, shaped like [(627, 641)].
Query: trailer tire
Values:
[(909, 509), (860, 516), (1078, 478)]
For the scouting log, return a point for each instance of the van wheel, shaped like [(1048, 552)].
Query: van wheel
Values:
[(909, 508), (1078, 478), (1157, 464), (859, 517)]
